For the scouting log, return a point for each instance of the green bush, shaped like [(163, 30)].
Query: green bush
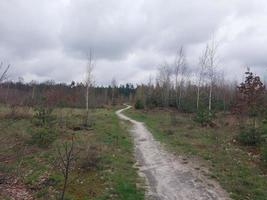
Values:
[(42, 116), (249, 135), (43, 137), (204, 117), (89, 158), (139, 104)]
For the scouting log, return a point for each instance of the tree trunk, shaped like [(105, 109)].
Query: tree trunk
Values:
[(87, 106), (87, 98), (65, 182), (198, 91), (210, 96), (180, 93)]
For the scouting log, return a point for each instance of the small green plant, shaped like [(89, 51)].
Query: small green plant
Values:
[(139, 104), (43, 116), (204, 117), (43, 137), (249, 135)]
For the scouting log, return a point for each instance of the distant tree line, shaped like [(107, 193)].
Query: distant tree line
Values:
[(64, 95)]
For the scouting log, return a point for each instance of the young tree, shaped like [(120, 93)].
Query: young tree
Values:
[(164, 81), (66, 160), (89, 77), (179, 73), (211, 67), (201, 74), (88, 83), (251, 99)]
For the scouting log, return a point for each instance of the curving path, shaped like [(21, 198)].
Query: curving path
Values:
[(168, 177)]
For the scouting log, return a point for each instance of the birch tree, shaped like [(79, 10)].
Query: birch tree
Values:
[(203, 65), (179, 71), (211, 67), (164, 80), (89, 77), (88, 81)]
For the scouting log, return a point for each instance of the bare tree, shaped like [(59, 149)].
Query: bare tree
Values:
[(179, 72), (88, 82), (65, 161), (208, 64), (164, 80), (3, 75), (89, 77), (211, 66), (203, 65)]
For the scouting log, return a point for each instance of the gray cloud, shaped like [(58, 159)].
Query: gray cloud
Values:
[(50, 39)]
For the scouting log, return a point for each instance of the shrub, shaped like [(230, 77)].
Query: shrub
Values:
[(204, 117), (249, 135), (89, 158), (43, 137), (42, 116), (139, 104)]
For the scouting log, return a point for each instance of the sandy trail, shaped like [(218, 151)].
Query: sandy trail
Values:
[(168, 177)]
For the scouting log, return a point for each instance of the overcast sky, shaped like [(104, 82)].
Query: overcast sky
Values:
[(50, 39)]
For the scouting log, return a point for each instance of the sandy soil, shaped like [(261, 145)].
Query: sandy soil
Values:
[(169, 177)]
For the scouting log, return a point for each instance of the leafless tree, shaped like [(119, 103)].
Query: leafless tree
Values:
[(211, 66), (89, 77), (164, 80), (203, 64), (65, 162), (179, 72), (3, 74), (88, 82)]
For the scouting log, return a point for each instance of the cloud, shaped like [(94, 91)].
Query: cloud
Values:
[(129, 39)]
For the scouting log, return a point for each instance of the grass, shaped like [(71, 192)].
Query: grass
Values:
[(237, 168), (112, 177)]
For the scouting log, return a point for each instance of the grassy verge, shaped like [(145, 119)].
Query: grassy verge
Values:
[(104, 166), (237, 168)]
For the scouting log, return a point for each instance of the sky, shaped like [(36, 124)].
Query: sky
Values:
[(51, 39)]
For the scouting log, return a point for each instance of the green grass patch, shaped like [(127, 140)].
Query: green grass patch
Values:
[(112, 177)]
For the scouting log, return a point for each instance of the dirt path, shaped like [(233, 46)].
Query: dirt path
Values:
[(169, 177)]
